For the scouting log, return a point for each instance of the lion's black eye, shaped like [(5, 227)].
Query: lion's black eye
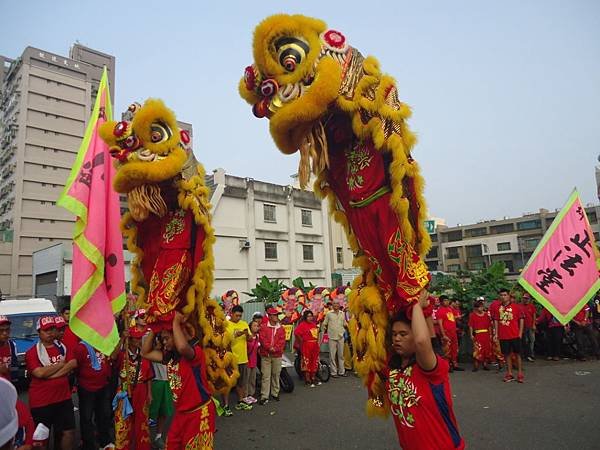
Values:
[(291, 52), (159, 132)]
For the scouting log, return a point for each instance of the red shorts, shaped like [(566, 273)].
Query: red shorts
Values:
[(194, 429)]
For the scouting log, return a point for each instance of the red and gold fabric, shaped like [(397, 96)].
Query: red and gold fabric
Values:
[(482, 337), (364, 192), (308, 334), (133, 432), (168, 264), (193, 430)]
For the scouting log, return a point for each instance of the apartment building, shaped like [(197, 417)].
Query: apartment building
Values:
[(510, 240), (45, 102), (266, 229)]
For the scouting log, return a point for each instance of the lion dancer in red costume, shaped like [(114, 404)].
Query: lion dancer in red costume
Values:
[(335, 107), (132, 402), (193, 425)]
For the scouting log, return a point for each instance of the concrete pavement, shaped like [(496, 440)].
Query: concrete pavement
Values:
[(558, 407)]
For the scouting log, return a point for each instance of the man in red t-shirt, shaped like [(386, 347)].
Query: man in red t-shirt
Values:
[(418, 386), (8, 350), (193, 425), (508, 326), (529, 316), (447, 325), (582, 326), (93, 375), (49, 364)]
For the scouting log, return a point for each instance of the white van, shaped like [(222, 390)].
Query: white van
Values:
[(23, 315)]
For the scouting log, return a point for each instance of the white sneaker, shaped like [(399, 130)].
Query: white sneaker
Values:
[(312, 385), (110, 446), (319, 383)]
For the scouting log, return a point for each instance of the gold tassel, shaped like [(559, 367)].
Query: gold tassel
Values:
[(146, 199), (314, 155)]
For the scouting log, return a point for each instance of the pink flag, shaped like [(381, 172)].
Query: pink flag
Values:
[(98, 288), (562, 273)]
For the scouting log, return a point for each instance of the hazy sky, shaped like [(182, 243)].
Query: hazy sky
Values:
[(505, 95)]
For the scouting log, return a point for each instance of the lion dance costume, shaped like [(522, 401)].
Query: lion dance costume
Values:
[(334, 106), (168, 229)]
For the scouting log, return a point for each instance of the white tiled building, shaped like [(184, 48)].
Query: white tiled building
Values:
[(267, 229)]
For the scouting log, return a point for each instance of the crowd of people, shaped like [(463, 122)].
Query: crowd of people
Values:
[(155, 385), (507, 331)]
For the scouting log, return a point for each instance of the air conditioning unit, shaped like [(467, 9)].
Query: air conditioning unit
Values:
[(244, 244)]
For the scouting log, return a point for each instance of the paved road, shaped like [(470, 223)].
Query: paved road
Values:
[(558, 407)]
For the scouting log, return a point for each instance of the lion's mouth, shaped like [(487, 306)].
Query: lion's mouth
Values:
[(147, 156)]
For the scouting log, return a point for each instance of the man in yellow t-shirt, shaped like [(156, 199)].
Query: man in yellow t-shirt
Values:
[(239, 331)]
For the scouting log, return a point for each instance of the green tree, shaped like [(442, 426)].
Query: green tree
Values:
[(299, 283), (467, 286), (266, 291)]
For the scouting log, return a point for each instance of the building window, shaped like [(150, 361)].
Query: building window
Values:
[(453, 253), (474, 250), (592, 216), (473, 232), (454, 236), (503, 246), (506, 228), (339, 255), (432, 265), (308, 253), (529, 225), (306, 217), (270, 250), (530, 243), (477, 265), (433, 252), (453, 267), (509, 266), (269, 213)]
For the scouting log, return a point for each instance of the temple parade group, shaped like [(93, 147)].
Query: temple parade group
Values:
[(157, 370)]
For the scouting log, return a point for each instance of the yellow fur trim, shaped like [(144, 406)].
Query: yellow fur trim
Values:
[(192, 195), (155, 111), (250, 96), (135, 173), (291, 124), (281, 25)]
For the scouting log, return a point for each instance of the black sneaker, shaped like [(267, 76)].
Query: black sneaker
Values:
[(263, 401), (459, 369), (275, 398)]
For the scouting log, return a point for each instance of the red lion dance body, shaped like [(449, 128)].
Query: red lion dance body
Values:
[(334, 106)]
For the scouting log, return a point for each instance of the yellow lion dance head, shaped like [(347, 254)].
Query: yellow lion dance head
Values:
[(149, 150)]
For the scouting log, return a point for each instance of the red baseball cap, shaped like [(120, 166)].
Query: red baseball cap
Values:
[(136, 333), (45, 323), (60, 322), (4, 320), (272, 312), (139, 312)]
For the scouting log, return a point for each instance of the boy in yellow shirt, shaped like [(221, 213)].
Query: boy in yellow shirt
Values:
[(240, 332)]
